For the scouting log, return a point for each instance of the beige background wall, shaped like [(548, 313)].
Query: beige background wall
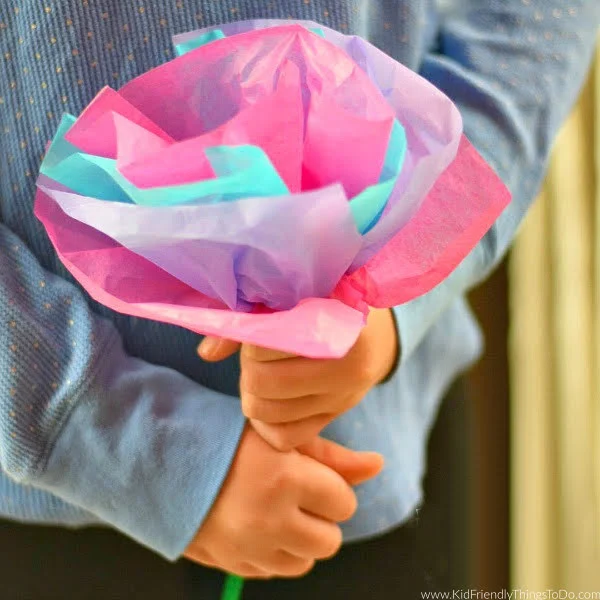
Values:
[(554, 351)]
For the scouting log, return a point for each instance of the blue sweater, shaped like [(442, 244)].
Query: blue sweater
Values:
[(107, 419)]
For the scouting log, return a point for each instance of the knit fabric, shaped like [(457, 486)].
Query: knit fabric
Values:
[(111, 419)]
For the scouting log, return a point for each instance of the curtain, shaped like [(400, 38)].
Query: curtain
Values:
[(554, 347)]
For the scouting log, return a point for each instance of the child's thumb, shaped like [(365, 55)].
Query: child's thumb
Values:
[(355, 467)]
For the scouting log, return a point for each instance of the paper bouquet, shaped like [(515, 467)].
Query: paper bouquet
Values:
[(268, 185)]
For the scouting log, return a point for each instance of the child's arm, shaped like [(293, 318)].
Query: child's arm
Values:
[(145, 449), (140, 446), (514, 68)]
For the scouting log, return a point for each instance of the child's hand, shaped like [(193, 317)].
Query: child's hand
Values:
[(278, 512), (290, 399)]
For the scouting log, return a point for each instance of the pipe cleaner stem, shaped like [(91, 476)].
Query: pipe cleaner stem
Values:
[(232, 589)]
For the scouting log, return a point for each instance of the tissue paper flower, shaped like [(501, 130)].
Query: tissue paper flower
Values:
[(268, 185)]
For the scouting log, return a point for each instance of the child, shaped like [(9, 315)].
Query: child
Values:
[(111, 420)]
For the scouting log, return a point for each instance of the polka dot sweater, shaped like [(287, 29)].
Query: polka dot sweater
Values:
[(110, 419)]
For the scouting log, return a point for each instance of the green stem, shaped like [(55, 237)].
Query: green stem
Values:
[(232, 590)]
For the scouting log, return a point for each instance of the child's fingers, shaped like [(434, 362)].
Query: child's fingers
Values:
[(292, 409), (214, 349), (263, 354), (286, 436)]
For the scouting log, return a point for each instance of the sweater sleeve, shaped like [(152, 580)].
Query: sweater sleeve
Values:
[(141, 447), (514, 68)]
